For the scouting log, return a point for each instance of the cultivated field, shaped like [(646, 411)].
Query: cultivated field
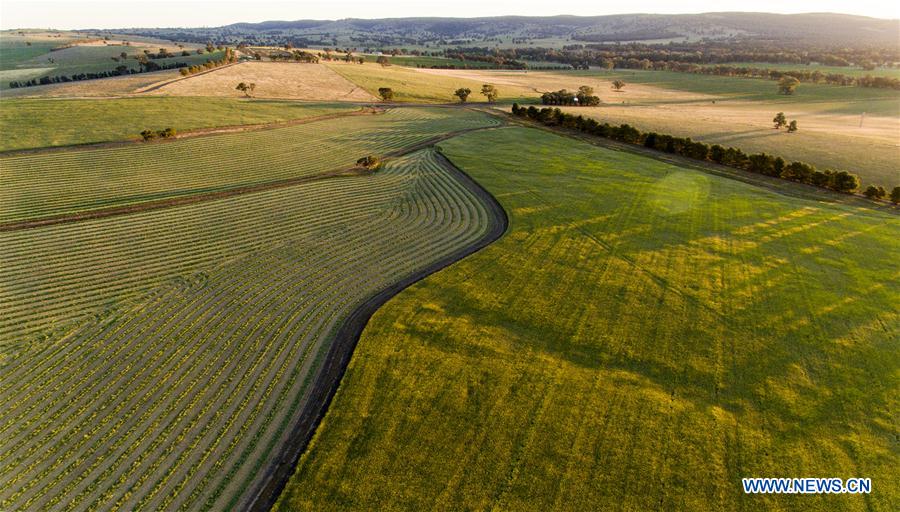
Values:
[(54, 183), (642, 338), (273, 80), (170, 352), (36, 123)]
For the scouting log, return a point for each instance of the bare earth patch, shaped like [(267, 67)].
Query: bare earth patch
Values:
[(274, 80)]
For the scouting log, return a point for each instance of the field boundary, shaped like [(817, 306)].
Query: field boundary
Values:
[(160, 85), (771, 183), (188, 198), (330, 374)]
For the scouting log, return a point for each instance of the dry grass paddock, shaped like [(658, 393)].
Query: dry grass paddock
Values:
[(273, 80)]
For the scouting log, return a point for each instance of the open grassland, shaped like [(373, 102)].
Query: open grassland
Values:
[(738, 112), (273, 80), (642, 338), (36, 123), (38, 185), (417, 86), (178, 347)]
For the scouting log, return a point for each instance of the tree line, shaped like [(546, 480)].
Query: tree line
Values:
[(761, 163), (144, 66), (229, 58), (723, 52)]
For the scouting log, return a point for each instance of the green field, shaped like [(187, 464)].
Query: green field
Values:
[(200, 329), (35, 123), (14, 53), (642, 338), (87, 59), (829, 99), (65, 182)]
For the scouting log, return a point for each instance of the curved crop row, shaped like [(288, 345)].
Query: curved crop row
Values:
[(193, 333)]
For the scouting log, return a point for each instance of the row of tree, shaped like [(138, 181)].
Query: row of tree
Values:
[(487, 90), (762, 163), (76, 77), (144, 66), (583, 98), (229, 58)]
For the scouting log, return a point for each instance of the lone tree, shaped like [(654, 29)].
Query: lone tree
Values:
[(787, 85), (779, 120), (463, 94), (618, 84), (895, 195), (792, 127), (370, 162), (386, 93), (246, 88), (383, 60), (490, 92)]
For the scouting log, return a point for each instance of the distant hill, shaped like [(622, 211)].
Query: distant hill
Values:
[(826, 28)]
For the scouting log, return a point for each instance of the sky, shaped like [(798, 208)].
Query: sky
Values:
[(73, 14)]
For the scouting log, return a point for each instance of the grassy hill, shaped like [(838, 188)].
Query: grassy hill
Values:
[(642, 338)]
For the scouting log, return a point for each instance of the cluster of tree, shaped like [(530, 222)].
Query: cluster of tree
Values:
[(386, 93), (762, 163), (245, 88), (294, 55), (168, 133), (781, 121), (583, 98), (369, 162), (878, 192), (229, 58)]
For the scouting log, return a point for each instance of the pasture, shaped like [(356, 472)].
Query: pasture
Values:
[(55, 183), (112, 87), (34, 55), (273, 80), (170, 352), (850, 128), (642, 337), (37, 123)]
